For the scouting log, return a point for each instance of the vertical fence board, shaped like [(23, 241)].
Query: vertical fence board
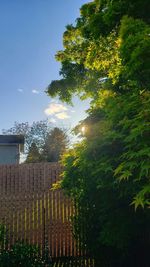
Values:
[(35, 213)]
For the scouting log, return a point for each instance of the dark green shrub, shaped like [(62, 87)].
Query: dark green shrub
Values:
[(21, 254)]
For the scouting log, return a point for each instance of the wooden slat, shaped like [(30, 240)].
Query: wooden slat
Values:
[(24, 194)]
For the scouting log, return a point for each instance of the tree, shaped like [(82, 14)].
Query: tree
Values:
[(103, 55), (42, 142), (34, 133), (106, 57), (34, 155), (97, 52), (55, 145)]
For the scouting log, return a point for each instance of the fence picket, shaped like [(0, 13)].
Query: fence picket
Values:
[(33, 212)]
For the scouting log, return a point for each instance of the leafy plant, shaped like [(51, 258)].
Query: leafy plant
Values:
[(106, 57), (20, 254)]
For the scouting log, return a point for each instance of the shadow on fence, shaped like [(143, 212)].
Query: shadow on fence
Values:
[(37, 215)]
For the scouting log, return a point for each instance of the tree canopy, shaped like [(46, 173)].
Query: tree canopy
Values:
[(106, 57), (34, 133), (55, 145), (33, 155), (108, 47), (43, 143)]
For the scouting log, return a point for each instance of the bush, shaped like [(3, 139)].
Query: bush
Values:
[(21, 253)]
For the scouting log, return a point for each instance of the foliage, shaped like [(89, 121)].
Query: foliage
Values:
[(42, 142), (34, 133), (55, 145), (105, 53), (106, 57), (109, 41), (109, 150), (3, 236), (20, 254), (34, 155)]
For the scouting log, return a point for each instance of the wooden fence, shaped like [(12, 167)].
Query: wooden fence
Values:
[(32, 211)]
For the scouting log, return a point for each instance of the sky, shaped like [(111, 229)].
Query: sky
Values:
[(30, 35)]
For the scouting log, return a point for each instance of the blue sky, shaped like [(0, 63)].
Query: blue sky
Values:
[(30, 35)]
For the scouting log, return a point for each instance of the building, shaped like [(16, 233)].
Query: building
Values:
[(10, 148)]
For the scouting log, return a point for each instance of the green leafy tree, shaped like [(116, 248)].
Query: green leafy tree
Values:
[(106, 57), (34, 155), (108, 47), (42, 142), (55, 145), (34, 133), (104, 54)]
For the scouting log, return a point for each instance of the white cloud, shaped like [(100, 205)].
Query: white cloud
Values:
[(20, 90), (62, 115), (52, 120), (73, 111), (35, 91), (55, 108)]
